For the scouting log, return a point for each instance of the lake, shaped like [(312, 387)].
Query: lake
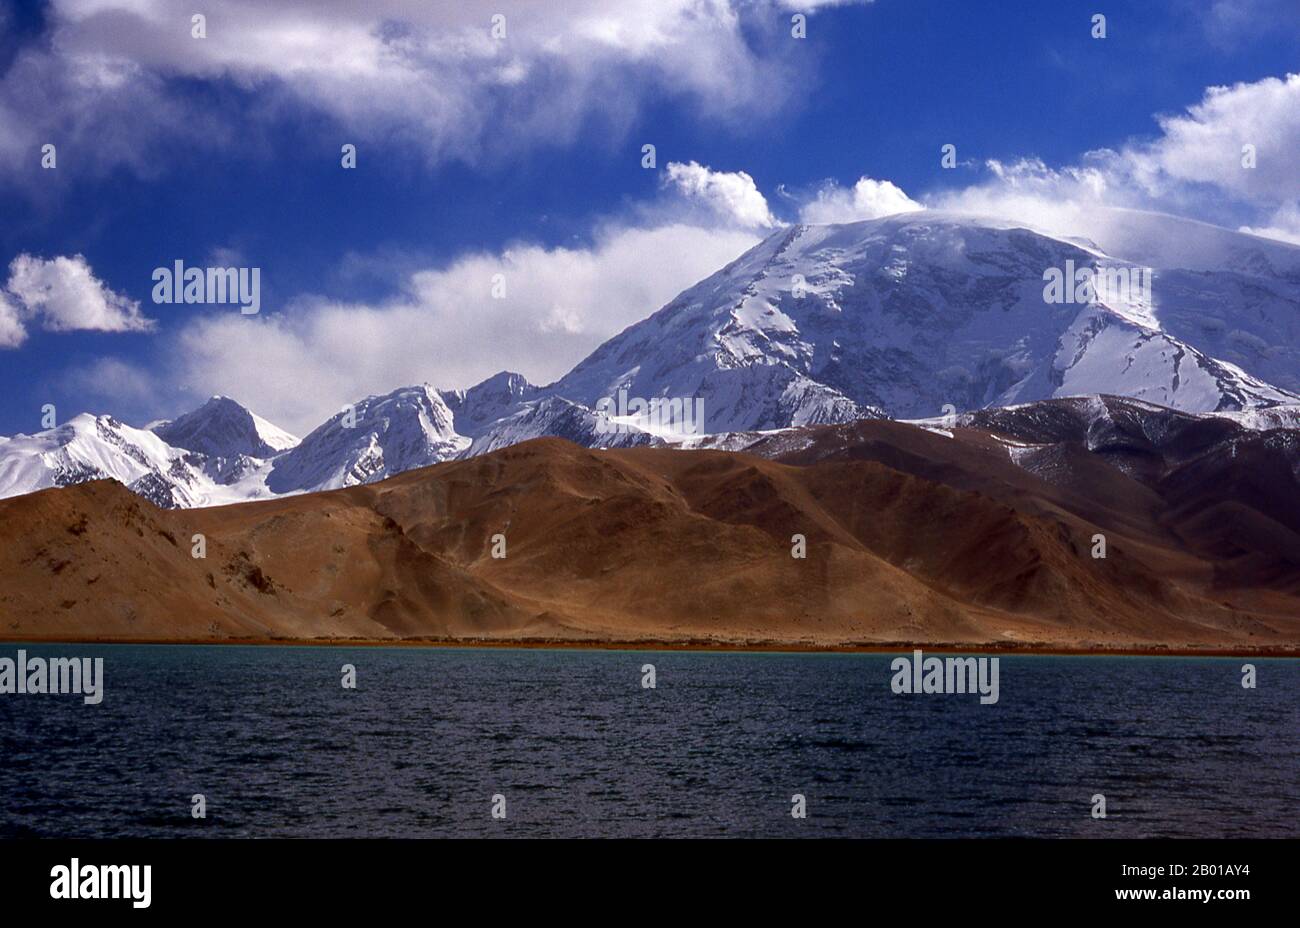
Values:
[(577, 747)]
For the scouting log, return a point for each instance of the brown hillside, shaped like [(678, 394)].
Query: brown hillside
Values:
[(912, 537)]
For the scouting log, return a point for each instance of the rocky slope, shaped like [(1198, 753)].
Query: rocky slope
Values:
[(915, 533)]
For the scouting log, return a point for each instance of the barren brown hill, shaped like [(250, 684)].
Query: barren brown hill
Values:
[(912, 537)]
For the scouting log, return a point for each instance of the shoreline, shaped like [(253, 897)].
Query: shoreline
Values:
[(773, 647)]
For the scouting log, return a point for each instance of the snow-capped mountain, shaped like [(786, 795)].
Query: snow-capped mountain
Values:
[(477, 408), (910, 313), (376, 438), (818, 324), (97, 447), (733, 340), (556, 417), (223, 453), (221, 428), (417, 426)]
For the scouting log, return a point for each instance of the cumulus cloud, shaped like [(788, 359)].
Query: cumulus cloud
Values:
[(446, 327), (431, 75), (867, 199), (65, 296), (732, 196), (1205, 144), (1195, 167)]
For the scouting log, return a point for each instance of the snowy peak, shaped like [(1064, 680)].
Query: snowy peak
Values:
[(419, 426), (223, 428), (557, 417), (734, 342), (483, 404), (91, 447), (911, 313), (376, 438)]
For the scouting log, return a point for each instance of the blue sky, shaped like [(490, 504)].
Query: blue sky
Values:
[(522, 156)]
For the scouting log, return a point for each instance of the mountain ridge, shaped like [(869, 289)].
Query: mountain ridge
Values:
[(898, 317), (911, 534)]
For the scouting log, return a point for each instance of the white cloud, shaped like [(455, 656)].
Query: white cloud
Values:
[(66, 297), (1029, 191), (1205, 144), (1194, 168), (732, 196), (298, 367), (12, 331), (429, 74), (867, 199)]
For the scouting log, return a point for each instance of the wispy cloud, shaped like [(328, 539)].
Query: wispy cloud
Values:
[(115, 382), (443, 78)]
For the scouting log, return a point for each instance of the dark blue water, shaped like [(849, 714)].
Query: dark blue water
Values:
[(578, 747)]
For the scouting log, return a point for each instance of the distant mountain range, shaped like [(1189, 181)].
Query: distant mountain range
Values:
[(983, 531), (899, 317)]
